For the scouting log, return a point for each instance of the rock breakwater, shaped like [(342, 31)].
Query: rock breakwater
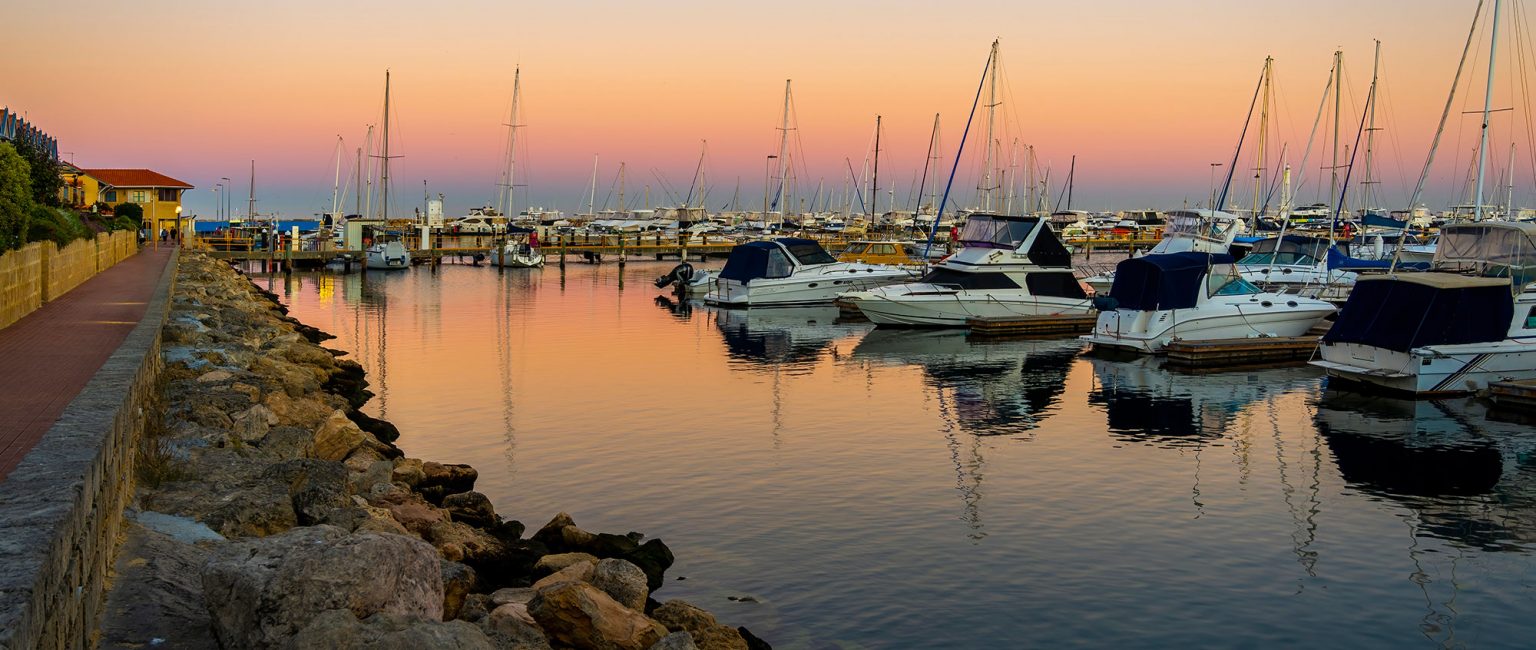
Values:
[(309, 528)]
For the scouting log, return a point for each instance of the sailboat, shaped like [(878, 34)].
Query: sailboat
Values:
[(1468, 322), (390, 254), (521, 248)]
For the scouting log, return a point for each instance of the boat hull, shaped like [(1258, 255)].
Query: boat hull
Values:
[(1149, 332), (1432, 370), (816, 289), (926, 305), (522, 261)]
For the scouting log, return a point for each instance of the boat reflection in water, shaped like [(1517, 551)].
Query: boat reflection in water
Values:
[(1468, 480), (781, 339), (991, 389), (1145, 403)]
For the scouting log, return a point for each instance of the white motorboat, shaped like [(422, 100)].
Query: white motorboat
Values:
[(789, 271), (388, 255), (686, 281), (1007, 266), (1201, 231), (479, 221), (1157, 299), (519, 254), (1469, 321), (1294, 264)]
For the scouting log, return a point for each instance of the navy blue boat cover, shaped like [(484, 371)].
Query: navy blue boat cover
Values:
[(1401, 314), (1171, 281), (748, 261), (1337, 260)]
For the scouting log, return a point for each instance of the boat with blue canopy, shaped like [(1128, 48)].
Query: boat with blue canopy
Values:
[(793, 271)]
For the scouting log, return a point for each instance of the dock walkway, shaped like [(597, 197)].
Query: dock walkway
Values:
[(49, 355)]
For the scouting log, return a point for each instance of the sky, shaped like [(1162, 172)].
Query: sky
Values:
[(1145, 94)]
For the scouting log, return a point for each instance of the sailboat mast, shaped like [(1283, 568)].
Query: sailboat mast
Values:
[(1338, 98), (986, 165), (1030, 172), (357, 207), (1509, 187), (506, 204), (1258, 166), (368, 204), (384, 165), (1071, 179), (783, 158), (874, 183), (933, 148), (621, 188), (336, 184), (592, 193), (1482, 149), (1370, 135), (250, 207)]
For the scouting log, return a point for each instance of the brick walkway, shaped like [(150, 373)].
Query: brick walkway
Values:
[(48, 356)]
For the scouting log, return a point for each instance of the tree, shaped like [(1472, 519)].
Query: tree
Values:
[(15, 197), (129, 212), (44, 173)]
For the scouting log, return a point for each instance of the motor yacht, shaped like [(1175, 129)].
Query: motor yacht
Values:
[(1201, 231), (1007, 266), (792, 271), (1469, 321), (1189, 296), (388, 255)]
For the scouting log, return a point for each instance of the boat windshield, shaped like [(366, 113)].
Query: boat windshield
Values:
[(988, 232), (1217, 284), (1284, 258), (1490, 248), (809, 252)]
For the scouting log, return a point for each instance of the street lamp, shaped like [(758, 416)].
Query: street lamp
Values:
[(218, 200), (1212, 204), (180, 236), (227, 185)]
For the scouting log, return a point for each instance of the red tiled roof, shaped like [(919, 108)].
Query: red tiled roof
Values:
[(135, 178)]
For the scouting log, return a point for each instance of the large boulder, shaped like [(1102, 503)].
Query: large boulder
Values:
[(338, 628), (707, 633), (472, 508), (316, 486), (554, 562), (337, 437), (458, 581), (623, 581), (579, 615), (578, 572), (511, 627), (675, 641), (440, 480), (654, 558), (262, 591)]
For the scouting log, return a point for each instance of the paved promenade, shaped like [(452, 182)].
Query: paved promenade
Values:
[(48, 356)]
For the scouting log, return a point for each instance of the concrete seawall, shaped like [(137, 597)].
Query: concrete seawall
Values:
[(61, 508)]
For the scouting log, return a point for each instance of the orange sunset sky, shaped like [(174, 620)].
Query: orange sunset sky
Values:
[(1145, 93)]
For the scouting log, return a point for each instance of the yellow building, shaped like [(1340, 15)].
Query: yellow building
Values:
[(158, 194)]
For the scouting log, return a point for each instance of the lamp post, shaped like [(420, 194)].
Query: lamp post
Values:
[(1212, 204), (227, 185), (218, 201), (180, 236)]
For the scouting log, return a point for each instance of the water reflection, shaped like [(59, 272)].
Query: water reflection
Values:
[(787, 339), (1468, 479), (1146, 403), (991, 389)]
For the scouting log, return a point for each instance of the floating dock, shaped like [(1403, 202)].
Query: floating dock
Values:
[(1032, 326), (1514, 395), (1233, 353)]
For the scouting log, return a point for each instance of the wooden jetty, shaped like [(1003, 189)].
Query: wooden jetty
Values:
[(1515, 395), (1032, 326), (1233, 353)]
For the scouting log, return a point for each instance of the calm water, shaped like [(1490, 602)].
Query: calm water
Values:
[(894, 489)]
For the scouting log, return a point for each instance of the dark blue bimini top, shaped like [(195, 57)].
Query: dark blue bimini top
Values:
[(1413, 310), (752, 260), (1171, 281)]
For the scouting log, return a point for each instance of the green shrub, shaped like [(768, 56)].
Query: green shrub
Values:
[(15, 197), (132, 211), (57, 225)]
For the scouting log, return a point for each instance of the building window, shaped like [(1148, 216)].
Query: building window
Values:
[(168, 195), (111, 196), (139, 196)]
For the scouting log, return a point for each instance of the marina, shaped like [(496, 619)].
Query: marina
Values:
[(955, 326), (747, 436)]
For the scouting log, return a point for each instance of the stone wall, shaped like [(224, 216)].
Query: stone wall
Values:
[(60, 510)]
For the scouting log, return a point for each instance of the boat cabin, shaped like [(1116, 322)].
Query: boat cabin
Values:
[(1174, 281), (1029, 236), (773, 259), (1289, 250), (881, 252)]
